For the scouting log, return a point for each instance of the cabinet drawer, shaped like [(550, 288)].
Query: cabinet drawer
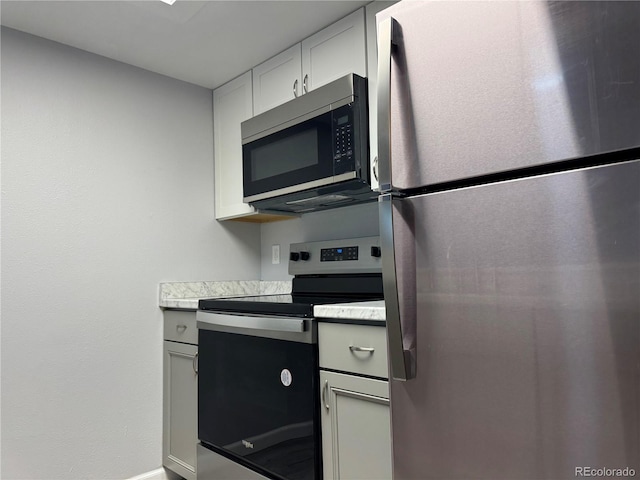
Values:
[(180, 327), (347, 347)]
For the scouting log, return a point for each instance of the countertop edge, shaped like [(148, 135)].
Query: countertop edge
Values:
[(370, 311), (353, 321)]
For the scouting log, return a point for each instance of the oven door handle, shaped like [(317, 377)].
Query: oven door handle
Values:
[(249, 324), (246, 322)]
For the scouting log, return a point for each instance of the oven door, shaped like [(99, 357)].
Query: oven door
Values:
[(257, 393)]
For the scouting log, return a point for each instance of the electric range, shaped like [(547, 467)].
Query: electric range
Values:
[(258, 374)]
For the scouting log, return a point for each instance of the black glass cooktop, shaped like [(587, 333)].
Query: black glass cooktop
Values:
[(307, 291), (290, 305)]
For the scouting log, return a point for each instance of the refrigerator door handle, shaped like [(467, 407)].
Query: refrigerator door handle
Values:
[(387, 42), (401, 360)]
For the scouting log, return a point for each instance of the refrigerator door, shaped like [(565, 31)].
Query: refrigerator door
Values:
[(476, 88), (523, 312)]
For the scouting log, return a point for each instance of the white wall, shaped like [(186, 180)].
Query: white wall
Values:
[(107, 190), (346, 222)]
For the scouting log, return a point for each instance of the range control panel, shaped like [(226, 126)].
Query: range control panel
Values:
[(338, 254), (355, 255)]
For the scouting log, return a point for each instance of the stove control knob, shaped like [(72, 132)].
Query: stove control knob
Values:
[(376, 252), (294, 256), (305, 256)]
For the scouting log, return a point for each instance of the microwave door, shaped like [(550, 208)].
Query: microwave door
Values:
[(292, 159)]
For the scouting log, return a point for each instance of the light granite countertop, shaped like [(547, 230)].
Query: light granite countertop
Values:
[(371, 311), (185, 295)]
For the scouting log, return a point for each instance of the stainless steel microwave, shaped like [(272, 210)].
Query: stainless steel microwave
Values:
[(311, 153)]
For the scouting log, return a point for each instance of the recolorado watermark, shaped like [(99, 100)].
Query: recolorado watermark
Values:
[(604, 472)]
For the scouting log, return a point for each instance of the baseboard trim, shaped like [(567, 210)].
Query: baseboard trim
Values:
[(158, 474)]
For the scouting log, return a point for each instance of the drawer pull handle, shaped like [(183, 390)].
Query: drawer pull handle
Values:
[(361, 349), (181, 328), (194, 363)]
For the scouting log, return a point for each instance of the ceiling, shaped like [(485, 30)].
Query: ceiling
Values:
[(202, 42)]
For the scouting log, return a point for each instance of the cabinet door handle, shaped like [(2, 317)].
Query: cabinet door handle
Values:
[(181, 328), (325, 389), (361, 349), (305, 88), (375, 168), (295, 88), (195, 363)]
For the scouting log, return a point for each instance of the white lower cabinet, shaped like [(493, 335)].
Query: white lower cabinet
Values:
[(180, 399), (355, 415), (356, 432)]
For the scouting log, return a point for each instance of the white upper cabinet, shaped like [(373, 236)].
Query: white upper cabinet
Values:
[(331, 53), (277, 80), (334, 52), (232, 104)]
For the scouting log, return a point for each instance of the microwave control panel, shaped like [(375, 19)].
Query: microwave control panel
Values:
[(343, 139)]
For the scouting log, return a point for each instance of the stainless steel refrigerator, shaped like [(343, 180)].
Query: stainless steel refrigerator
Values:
[(509, 137)]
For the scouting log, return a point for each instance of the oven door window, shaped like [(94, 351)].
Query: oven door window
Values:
[(257, 402), (299, 154)]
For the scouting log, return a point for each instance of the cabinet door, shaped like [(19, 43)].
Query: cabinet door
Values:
[(335, 51), (277, 80), (232, 104), (372, 75), (356, 430), (180, 416)]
